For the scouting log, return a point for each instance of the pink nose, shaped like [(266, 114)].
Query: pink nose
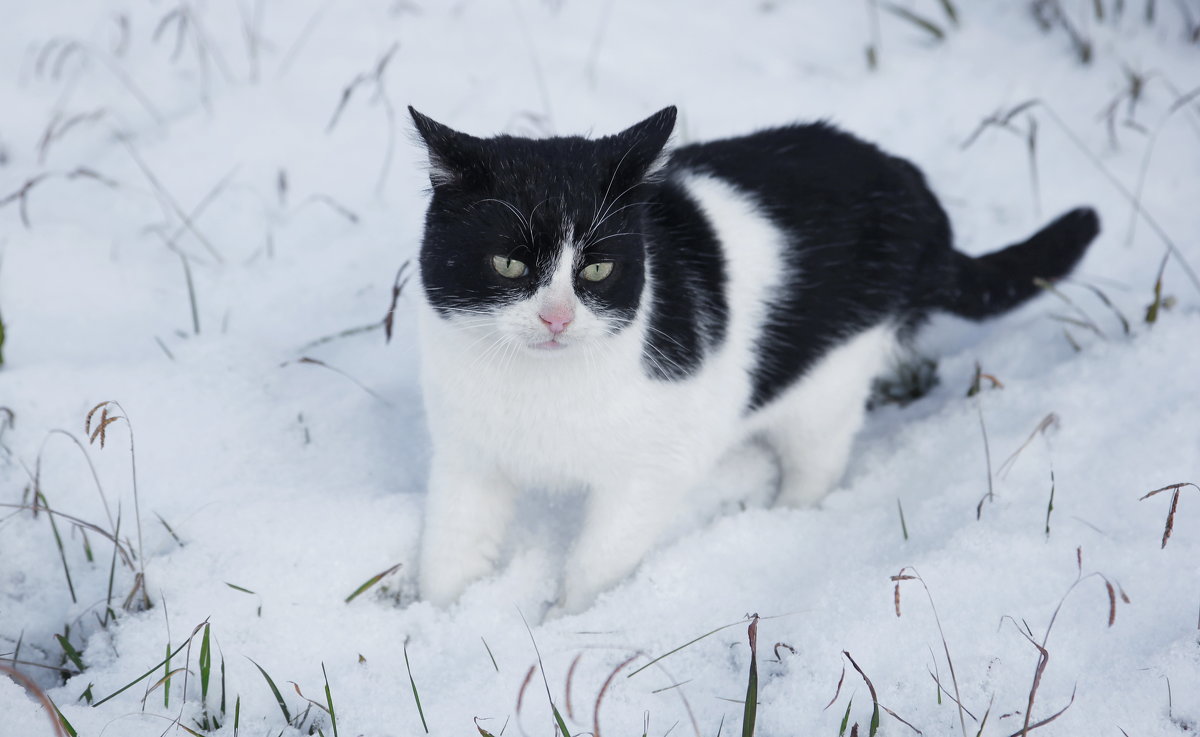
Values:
[(556, 320)]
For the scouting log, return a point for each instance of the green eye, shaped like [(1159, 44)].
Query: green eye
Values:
[(509, 268), (597, 272)]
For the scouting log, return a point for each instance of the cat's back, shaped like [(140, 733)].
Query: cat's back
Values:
[(811, 162), (846, 233)]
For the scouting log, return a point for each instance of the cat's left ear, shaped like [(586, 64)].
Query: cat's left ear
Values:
[(640, 150), (454, 158)]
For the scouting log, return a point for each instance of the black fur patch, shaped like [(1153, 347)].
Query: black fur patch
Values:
[(690, 311)]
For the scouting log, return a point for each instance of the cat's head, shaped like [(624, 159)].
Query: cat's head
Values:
[(539, 242)]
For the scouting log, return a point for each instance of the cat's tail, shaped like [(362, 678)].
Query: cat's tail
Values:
[(999, 281)]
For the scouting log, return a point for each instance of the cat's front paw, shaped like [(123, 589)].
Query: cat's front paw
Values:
[(584, 581), (446, 571)]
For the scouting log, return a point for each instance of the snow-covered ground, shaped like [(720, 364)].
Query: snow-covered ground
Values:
[(214, 134)]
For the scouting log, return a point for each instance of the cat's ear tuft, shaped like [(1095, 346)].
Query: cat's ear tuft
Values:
[(643, 145), (453, 157)]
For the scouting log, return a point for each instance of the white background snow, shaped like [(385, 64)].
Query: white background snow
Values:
[(299, 482)]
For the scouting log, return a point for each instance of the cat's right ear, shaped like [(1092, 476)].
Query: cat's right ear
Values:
[(454, 158), (640, 150)]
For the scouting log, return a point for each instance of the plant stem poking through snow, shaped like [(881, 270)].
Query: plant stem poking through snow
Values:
[(905, 575), (875, 705), (413, 682), (1044, 654), (100, 432), (372, 581), (751, 709), (374, 78), (603, 690), (1175, 488), (1001, 119)]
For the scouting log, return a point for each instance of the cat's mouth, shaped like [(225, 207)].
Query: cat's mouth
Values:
[(549, 345)]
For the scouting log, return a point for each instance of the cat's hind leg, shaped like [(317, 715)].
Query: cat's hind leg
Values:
[(813, 425)]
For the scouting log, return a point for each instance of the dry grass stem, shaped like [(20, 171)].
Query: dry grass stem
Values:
[(1175, 489)]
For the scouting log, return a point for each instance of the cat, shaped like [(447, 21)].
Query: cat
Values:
[(615, 314)]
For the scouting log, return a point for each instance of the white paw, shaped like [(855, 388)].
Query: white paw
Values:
[(447, 570), (588, 576)]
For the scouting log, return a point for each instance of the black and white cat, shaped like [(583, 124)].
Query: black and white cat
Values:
[(617, 315)]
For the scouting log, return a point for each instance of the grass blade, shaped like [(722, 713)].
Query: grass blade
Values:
[(412, 682), (372, 581), (58, 541), (920, 21), (167, 679), (751, 710), (489, 652), (686, 644), (205, 665), (66, 725), (329, 701), (950, 10), (71, 653), (145, 675), (275, 690)]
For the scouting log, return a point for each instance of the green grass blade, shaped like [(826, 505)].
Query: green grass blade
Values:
[(205, 665), (559, 721), (237, 714), (1050, 505), (109, 613), (686, 644), (413, 683), (70, 651), (329, 701), (372, 581), (950, 10), (275, 690), (167, 679), (142, 677), (751, 710), (846, 719), (920, 21), (66, 725), (489, 652), (983, 724), (235, 587), (62, 553)]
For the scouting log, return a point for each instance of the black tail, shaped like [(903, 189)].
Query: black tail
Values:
[(992, 284)]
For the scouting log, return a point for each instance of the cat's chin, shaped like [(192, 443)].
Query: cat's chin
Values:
[(548, 347)]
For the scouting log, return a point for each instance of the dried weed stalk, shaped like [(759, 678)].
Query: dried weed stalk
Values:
[(1044, 654), (910, 574), (375, 80), (1175, 489)]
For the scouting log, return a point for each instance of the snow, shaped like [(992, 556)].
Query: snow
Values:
[(287, 479)]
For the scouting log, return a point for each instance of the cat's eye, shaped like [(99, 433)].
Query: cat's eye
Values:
[(598, 271), (509, 268)]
